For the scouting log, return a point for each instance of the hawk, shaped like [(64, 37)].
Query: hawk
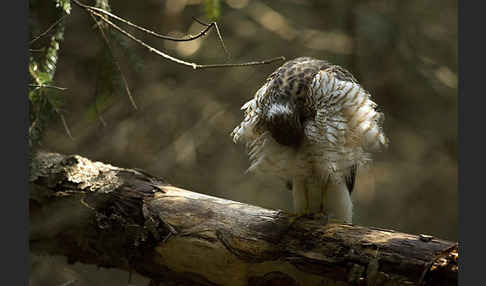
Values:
[(313, 125)]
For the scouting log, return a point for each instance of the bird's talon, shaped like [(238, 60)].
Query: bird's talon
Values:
[(313, 216), (336, 221)]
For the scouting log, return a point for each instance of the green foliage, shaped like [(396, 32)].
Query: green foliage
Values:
[(130, 54), (108, 85), (45, 101), (45, 98), (65, 5), (213, 9), (103, 4)]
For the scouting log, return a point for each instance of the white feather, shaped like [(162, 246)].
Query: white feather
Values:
[(346, 127)]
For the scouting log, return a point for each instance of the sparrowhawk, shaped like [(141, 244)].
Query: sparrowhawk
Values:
[(313, 125)]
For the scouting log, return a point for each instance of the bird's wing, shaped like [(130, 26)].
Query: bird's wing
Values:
[(245, 131), (347, 126)]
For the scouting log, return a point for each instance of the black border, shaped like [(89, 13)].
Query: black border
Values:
[(471, 54), (14, 119), (460, 139)]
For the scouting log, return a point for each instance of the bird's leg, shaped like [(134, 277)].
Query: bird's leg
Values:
[(314, 190), (315, 196), (306, 192), (300, 196), (337, 201)]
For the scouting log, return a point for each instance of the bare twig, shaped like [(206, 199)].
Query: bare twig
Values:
[(47, 86), (125, 82), (37, 50), (64, 123), (228, 55), (150, 48), (246, 64), (93, 11), (48, 29), (63, 120), (179, 61), (102, 120), (150, 32), (70, 282), (129, 275)]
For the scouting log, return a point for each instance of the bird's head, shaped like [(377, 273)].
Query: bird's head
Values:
[(286, 107), (283, 120)]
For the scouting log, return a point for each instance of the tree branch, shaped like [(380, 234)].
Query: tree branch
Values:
[(150, 32), (114, 217), (48, 29), (100, 13)]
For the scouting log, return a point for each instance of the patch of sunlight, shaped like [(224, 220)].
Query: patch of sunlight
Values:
[(237, 4), (446, 76)]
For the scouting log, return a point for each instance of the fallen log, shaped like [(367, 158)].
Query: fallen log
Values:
[(100, 214)]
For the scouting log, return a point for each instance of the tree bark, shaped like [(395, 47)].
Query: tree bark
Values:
[(114, 217)]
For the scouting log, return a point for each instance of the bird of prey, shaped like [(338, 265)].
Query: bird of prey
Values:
[(313, 125)]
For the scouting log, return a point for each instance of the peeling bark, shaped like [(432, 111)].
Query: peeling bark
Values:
[(114, 217)]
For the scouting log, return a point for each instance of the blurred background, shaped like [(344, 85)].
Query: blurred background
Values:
[(403, 52)]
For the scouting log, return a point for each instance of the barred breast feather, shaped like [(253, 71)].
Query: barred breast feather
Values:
[(344, 105)]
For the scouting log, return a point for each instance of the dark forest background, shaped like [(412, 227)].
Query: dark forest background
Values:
[(403, 52)]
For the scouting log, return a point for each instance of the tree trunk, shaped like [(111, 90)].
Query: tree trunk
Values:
[(114, 217)]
